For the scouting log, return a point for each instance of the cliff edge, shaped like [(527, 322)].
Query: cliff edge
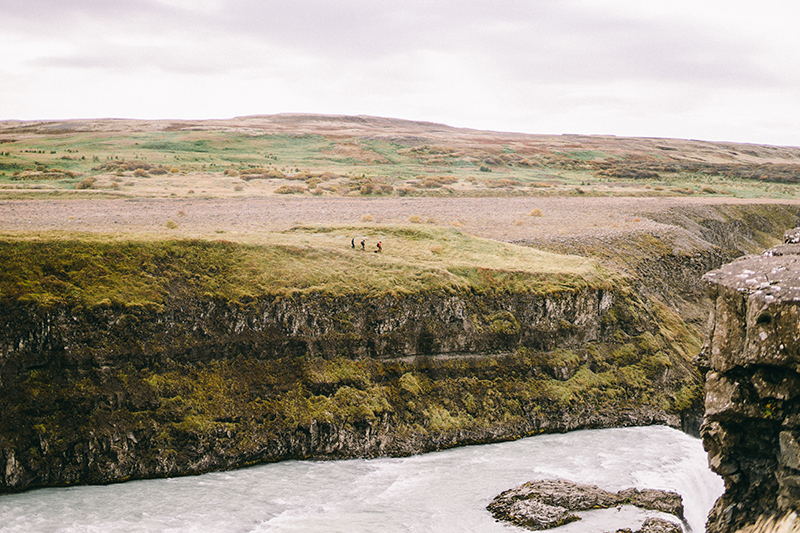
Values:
[(751, 360)]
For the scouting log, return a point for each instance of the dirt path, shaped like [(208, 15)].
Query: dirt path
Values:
[(506, 219)]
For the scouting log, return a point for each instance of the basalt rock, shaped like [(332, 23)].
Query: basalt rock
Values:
[(751, 362), (317, 325), (111, 393), (655, 525), (549, 503)]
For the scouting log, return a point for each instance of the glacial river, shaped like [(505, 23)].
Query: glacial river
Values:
[(437, 492)]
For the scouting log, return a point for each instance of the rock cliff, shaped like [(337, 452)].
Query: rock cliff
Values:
[(751, 362), (317, 325), (110, 393)]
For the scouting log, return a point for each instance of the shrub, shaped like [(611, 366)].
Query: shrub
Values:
[(85, 183), (367, 218), (238, 187), (140, 173), (171, 224), (289, 189), (436, 248), (430, 183), (535, 213), (415, 219)]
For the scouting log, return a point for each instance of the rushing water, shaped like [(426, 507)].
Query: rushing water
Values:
[(443, 491)]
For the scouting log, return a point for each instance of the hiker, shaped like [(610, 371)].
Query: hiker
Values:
[(353, 242), (362, 243), (379, 247)]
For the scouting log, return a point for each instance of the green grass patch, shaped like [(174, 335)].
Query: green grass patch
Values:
[(92, 270)]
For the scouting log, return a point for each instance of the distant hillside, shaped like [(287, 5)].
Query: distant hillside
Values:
[(363, 155)]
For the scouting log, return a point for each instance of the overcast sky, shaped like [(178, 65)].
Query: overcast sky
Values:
[(726, 70)]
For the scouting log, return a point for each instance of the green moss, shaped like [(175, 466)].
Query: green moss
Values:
[(626, 355), (409, 383), (686, 396), (503, 323), (101, 271)]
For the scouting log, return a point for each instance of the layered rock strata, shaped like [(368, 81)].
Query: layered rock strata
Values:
[(317, 325), (751, 362)]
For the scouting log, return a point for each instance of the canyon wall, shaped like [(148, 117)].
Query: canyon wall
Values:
[(317, 325), (751, 362), (114, 393)]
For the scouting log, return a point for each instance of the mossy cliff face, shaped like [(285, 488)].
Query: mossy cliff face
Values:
[(751, 361), (106, 393), (668, 265), (317, 325)]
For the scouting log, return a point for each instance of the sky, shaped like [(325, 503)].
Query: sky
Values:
[(716, 70)]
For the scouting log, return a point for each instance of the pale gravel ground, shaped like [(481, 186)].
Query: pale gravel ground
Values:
[(506, 219)]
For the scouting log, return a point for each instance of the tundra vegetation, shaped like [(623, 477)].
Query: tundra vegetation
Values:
[(327, 156)]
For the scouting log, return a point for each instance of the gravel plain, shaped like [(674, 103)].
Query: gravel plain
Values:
[(520, 219)]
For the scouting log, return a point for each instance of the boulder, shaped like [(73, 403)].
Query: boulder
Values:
[(549, 503), (655, 525), (792, 236)]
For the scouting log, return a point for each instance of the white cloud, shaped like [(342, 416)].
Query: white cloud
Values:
[(725, 70)]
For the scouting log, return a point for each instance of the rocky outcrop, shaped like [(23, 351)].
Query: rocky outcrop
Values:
[(316, 325), (549, 503), (751, 362), (654, 525)]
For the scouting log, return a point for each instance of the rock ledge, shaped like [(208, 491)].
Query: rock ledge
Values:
[(549, 503)]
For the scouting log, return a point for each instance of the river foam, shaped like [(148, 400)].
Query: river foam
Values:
[(442, 491)]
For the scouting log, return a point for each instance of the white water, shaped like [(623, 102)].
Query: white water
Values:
[(444, 491)]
